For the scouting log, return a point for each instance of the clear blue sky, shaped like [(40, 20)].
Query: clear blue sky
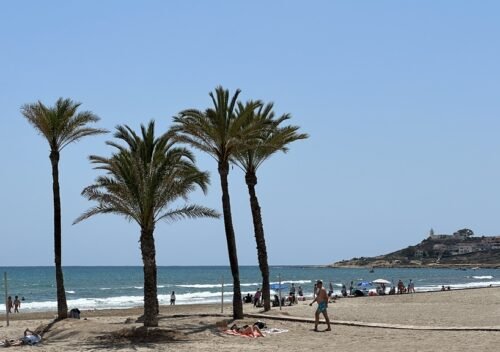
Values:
[(400, 98)]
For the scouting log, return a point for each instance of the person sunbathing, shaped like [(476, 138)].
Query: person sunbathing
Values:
[(247, 330), (30, 338)]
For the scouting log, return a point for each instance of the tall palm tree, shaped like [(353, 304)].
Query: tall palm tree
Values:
[(143, 178), (218, 132), (272, 138), (60, 125)]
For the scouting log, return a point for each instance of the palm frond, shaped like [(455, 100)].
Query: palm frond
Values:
[(190, 212)]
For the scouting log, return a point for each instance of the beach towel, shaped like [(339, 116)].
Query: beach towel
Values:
[(274, 331)]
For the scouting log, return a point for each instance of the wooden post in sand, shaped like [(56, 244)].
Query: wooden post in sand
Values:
[(6, 306), (222, 295)]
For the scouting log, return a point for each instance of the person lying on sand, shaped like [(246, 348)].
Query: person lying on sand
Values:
[(247, 330), (30, 338)]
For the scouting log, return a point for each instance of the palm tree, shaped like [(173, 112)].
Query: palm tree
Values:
[(218, 132), (144, 177), (272, 138), (60, 125)]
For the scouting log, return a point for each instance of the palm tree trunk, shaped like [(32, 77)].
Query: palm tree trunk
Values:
[(157, 304), (231, 241), (251, 180), (62, 306), (150, 287)]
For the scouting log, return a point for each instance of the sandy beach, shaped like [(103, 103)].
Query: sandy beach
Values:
[(194, 327)]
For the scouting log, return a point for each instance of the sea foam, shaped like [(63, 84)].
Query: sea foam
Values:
[(482, 277), (125, 301)]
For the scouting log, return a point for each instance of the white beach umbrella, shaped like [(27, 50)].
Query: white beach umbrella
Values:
[(381, 281)]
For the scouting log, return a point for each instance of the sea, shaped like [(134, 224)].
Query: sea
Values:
[(116, 287)]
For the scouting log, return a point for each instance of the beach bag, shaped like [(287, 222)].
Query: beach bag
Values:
[(74, 313), (260, 324)]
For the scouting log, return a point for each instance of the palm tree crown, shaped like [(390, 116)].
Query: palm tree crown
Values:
[(144, 178), (61, 124), (272, 137), (219, 131)]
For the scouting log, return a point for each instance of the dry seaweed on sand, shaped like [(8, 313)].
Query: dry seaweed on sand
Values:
[(142, 335)]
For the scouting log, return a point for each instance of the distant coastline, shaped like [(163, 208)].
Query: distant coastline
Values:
[(459, 250), (415, 266)]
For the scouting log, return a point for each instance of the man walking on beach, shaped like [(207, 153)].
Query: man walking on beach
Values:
[(322, 299)]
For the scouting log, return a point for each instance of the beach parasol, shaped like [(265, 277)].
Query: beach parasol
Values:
[(277, 287), (364, 284), (381, 281)]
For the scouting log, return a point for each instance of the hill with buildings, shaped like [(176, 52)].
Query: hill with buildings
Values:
[(460, 249)]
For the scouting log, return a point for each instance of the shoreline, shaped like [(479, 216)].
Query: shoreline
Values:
[(45, 313), (213, 309)]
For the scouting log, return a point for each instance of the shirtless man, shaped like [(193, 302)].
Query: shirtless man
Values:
[(322, 299)]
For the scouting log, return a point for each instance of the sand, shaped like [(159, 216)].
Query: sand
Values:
[(194, 327)]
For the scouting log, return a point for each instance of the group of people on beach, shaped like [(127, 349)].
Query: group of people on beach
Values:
[(381, 289), (294, 295), (408, 289), (16, 304)]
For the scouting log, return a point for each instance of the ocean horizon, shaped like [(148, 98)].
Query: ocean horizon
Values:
[(117, 287)]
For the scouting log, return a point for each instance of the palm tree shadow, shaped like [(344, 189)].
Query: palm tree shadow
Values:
[(191, 329), (136, 338), (117, 346)]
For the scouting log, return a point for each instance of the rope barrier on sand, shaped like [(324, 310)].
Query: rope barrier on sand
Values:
[(343, 322), (377, 325)]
